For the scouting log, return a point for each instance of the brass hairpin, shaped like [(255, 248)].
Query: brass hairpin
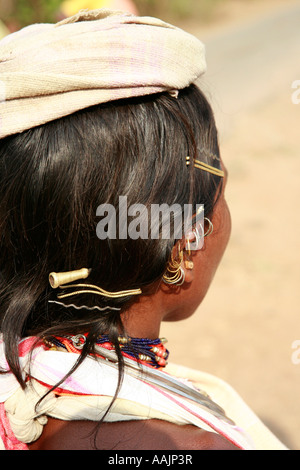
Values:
[(63, 279), (205, 167), (209, 168), (59, 279)]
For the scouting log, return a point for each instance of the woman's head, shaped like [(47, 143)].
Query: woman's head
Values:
[(120, 121), (55, 176)]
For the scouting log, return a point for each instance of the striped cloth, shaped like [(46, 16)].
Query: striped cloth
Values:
[(48, 71), (87, 393)]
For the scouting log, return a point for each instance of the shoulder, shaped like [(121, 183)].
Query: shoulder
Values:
[(150, 434)]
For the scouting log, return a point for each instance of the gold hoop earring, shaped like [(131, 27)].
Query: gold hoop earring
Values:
[(197, 242), (188, 262), (174, 274), (210, 228), (177, 279)]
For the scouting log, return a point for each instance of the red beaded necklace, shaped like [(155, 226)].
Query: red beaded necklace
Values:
[(145, 351)]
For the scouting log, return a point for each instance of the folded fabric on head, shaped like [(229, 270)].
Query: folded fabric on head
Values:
[(48, 71)]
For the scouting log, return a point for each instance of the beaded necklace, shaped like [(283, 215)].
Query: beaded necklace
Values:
[(145, 351), (151, 361)]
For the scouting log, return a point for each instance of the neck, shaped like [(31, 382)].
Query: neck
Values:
[(143, 318), (139, 324)]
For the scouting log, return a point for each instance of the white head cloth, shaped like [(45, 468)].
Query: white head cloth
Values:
[(48, 71)]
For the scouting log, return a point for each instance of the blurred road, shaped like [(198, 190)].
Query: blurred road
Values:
[(245, 329), (251, 62)]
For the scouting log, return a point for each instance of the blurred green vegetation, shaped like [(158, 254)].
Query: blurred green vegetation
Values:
[(24, 12), (178, 9), (19, 13)]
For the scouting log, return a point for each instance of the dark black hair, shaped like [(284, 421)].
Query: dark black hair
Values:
[(53, 178)]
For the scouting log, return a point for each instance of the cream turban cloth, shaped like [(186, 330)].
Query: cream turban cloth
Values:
[(48, 71)]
